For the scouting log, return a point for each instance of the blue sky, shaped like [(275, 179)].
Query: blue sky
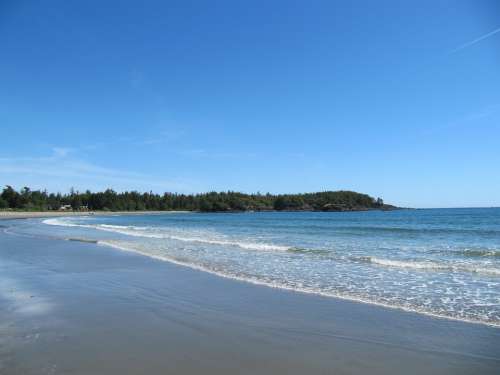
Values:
[(395, 99)]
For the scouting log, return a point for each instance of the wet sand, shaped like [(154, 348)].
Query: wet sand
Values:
[(69, 307)]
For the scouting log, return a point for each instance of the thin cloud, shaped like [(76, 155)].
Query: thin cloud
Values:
[(61, 169), (472, 119), (477, 40), (206, 154), (165, 136), (61, 151)]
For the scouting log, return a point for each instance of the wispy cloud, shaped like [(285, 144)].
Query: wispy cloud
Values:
[(477, 40), (63, 170), (207, 154), (61, 151), (161, 137), (473, 119), (164, 136)]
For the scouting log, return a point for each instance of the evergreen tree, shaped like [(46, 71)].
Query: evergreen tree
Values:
[(207, 202)]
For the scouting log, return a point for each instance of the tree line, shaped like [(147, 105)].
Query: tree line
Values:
[(110, 200)]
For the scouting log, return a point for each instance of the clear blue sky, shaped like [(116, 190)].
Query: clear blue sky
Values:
[(396, 99)]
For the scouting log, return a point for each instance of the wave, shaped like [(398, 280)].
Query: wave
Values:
[(428, 265), (347, 259), (160, 233), (300, 289), (480, 253), (408, 264), (365, 228), (468, 252), (214, 239), (489, 271), (243, 245), (61, 223), (85, 240), (301, 250)]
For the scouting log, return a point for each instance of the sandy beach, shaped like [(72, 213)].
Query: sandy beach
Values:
[(81, 308), (9, 215), (250, 188)]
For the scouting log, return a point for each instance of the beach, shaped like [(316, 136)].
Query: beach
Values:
[(9, 215), (69, 307), (226, 188)]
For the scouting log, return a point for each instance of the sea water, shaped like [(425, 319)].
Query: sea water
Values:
[(441, 262)]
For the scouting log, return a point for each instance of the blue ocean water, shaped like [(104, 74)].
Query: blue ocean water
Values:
[(443, 262)]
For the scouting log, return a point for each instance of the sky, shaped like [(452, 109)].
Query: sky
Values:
[(396, 99)]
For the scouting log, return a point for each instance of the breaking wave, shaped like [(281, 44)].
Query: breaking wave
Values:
[(284, 285), (449, 274), (428, 265), (163, 233)]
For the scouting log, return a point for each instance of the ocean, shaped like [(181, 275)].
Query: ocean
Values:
[(440, 262)]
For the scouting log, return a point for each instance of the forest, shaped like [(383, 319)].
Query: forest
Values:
[(230, 201)]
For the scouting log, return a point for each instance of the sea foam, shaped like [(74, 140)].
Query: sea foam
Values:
[(163, 233), (448, 272)]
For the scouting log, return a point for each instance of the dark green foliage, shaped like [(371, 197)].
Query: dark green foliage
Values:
[(11, 197), (109, 200)]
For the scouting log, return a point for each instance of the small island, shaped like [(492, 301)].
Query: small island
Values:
[(110, 200)]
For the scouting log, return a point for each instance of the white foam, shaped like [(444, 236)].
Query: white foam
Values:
[(489, 271), (152, 232), (60, 222), (419, 265), (301, 289), (333, 275), (408, 264), (243, 245)]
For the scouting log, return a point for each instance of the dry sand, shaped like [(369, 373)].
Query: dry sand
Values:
[(6, 215)]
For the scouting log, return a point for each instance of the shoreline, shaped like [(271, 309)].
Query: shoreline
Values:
[(71, 304), (12, 215), (290, 289), (231, 277)]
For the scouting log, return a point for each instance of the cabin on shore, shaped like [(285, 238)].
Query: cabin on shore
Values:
[(69, 207)]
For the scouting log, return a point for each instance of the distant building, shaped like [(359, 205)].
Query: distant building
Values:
[(65, 207), (84, 208)]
